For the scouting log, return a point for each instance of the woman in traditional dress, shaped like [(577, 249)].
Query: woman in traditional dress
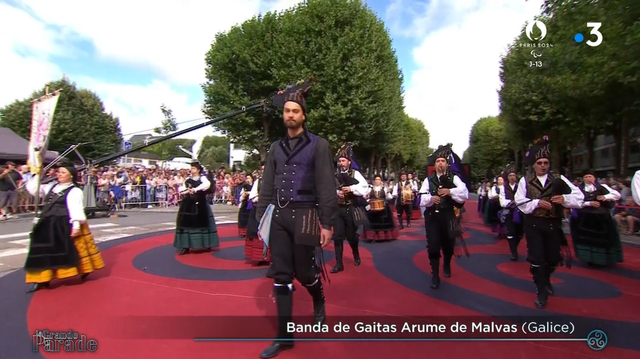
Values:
[(595, 236), (383, 222), (492, 207), (254, 247), (61, 243), (245, 207), (196, 228), (498, 226)]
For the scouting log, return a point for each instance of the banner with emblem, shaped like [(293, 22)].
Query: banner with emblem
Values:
[(42, 112)]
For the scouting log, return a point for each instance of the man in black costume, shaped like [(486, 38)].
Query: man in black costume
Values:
[(440, 193), (513, 218), (403, 193), (298, 184), (541, 197), (351, 187)]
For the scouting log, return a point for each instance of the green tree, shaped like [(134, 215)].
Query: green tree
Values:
[(214, 151), (580, 91), (488, 147), (169, 149), (80, 117), (357, 95), (168, 124)]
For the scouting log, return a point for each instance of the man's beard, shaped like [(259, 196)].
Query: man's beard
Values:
[(292, 124)]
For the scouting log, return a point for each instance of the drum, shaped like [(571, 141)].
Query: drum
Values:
[(376, 205), (407, 196)]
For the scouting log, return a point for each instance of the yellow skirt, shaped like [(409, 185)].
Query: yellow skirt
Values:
[(90, 260)]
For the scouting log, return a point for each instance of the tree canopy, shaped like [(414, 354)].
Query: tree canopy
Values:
[(357, 92), (214, 151), (488, 147), (575, 91), (80, 117)]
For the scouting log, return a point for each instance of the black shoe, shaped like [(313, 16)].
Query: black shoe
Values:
[(317, 294), (446, 269), (37, 286), (357, 262), (549, 289), (408, 224), (400, 226), (435, 273), (514, 256), (183, 251), (274, 349), (84, 276), (337, 268), (435, 281), (541, 300)]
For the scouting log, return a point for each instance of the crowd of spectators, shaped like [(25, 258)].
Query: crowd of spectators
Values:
[(125, 187), (121, 187)]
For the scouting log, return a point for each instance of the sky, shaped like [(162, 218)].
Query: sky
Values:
[(137, 56)]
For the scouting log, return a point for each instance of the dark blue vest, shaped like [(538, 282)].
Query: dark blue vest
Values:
[(295, 169)]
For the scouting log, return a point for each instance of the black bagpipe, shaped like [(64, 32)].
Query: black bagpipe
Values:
[(558, 188), (455, 223)]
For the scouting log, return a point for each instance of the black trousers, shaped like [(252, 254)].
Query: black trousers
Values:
[(515, 231), (438, 234), (404, 209), (345, 228), (544, 237), (289, 260)]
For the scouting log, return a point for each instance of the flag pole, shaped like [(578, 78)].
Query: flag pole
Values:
[(41, 152)]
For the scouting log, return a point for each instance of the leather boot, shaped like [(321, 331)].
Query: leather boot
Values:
[(284, 306), (540, 280), (446, 267), (548, 272), (37, 286), (400, 226), (513, 248), (435, 273), (356, 252), (317, 294), (339, 250)]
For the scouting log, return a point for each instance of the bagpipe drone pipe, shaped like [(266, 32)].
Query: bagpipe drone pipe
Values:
[(267, 105)]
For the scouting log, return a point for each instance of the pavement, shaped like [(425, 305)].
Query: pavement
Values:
[(14, 233)]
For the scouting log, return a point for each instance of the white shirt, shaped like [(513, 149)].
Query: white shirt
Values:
[(572, 200), (502, 197), (493, 193), (635, 187), (613, 195), (75, 198), (414, 188), (388, 195), (253, 195), (459, 194), (203, 186)]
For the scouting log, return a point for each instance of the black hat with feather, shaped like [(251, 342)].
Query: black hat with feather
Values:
[(538, 150), (509, 169), (454, 162), (346, 151), (295, 93)]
